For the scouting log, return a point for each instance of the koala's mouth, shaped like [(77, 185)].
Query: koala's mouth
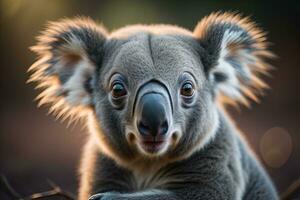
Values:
[(152, 146)]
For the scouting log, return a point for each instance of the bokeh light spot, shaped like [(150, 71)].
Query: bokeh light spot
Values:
[(276, 147)]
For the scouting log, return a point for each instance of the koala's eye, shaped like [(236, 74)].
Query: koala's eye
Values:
[(187, 89), (118, 90)]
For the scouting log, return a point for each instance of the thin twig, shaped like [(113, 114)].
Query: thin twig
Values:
[(55, 192), (8, 188), (51, 193), (293, 191)]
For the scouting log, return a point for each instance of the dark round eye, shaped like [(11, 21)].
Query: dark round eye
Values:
[(187, 89), (118, 90)]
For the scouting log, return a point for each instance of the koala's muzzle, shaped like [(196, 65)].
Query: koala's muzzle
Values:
[(153, 114)]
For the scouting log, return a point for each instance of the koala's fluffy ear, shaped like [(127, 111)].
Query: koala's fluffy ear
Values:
[(234, 59), (68, 53)]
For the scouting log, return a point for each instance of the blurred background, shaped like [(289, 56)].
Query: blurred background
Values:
[(35, 148)]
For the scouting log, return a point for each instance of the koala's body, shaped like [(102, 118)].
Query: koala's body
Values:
[(153, 99)]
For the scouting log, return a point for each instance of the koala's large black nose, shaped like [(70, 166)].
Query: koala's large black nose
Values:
[(153, 118)]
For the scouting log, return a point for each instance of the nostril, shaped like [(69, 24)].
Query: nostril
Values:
[(144, 129), (164, 127)]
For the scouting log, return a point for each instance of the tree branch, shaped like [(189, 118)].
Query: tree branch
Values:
[(54, 193)]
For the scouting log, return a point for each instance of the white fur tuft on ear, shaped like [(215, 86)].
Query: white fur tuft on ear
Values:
[(236, 50), (76, 92), (66, 63)]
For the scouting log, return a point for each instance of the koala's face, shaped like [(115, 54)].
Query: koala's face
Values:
[(150, 91), (152, 95)]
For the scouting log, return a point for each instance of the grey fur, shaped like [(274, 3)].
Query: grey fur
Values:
[(205, 156), (211, 173)]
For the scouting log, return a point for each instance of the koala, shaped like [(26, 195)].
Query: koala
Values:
[(154, 99)]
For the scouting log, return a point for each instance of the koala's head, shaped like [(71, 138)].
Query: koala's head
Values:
[(150, 91)]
